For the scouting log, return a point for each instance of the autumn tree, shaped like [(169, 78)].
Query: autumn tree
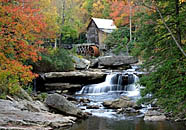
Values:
[(50, 18), (22, 25), (101, 9), (121, 11)]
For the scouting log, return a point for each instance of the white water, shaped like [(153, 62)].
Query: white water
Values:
[(133, 89), (114, 83)]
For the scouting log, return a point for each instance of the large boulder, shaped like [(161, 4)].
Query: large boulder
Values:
[(94, 63), (61, 104), (81, 63), (116, 61), (122, 102)]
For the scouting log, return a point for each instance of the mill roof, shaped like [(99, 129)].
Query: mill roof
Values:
[(104, 23)]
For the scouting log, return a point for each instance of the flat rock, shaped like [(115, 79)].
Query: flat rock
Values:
[(16, 115), (72, 80), (113, 61), (88, 74), (153, 115), (122, 102), (75, 77), (61, 86)]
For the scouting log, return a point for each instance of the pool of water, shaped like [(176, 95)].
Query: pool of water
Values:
[(108, 119), (99, 123)]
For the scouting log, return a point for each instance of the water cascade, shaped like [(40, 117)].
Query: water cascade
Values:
[(114, 82)]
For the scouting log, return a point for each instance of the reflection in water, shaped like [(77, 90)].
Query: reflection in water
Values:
[(95, 123)]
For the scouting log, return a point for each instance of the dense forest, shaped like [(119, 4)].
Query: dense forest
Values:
[(158, 39)]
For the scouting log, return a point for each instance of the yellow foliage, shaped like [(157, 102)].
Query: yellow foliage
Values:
[(98, 7), (50, 12), (181, 1)]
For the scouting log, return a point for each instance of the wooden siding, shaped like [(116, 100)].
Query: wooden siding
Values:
[(102, 36), (92, 33)]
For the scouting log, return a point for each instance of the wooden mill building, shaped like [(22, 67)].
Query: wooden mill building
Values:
[(98, 29)]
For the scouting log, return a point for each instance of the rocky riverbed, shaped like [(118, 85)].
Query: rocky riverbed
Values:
[(114, 99), (30, 115)]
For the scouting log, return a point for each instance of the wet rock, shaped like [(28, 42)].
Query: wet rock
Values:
[(84, 100), (84, 104), (70, 98), (113, 61), (29, 115), (61, 104), (128, 111), (153, 115), (131, 110), (122, 102), (93, 107)]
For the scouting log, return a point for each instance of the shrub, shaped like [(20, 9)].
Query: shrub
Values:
[(118, 40), (54, 60), (13, 76)]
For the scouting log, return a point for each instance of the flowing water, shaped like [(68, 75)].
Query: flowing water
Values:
[(116, 85)]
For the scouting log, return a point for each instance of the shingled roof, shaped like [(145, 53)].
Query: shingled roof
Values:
[(106, 25)]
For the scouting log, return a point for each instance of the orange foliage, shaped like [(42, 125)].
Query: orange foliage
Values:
[(21, 30), (120, 11)]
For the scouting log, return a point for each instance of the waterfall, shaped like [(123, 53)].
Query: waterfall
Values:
[(114, 83), (101, 87), (133, 89)]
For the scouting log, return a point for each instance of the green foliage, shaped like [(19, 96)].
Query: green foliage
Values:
[(54, 60), (118, 40), (163, 60), (69, 34), (29, 89), (41, 97), (89, 6), (117, 37), (9, 84)]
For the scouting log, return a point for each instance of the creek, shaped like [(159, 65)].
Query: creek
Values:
[(117, 84)]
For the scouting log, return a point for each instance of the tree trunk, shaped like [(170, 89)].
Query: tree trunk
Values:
[(63, 21), (178, 31)]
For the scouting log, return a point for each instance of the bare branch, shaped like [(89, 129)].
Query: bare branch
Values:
[(160, 14), (178, 45)]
